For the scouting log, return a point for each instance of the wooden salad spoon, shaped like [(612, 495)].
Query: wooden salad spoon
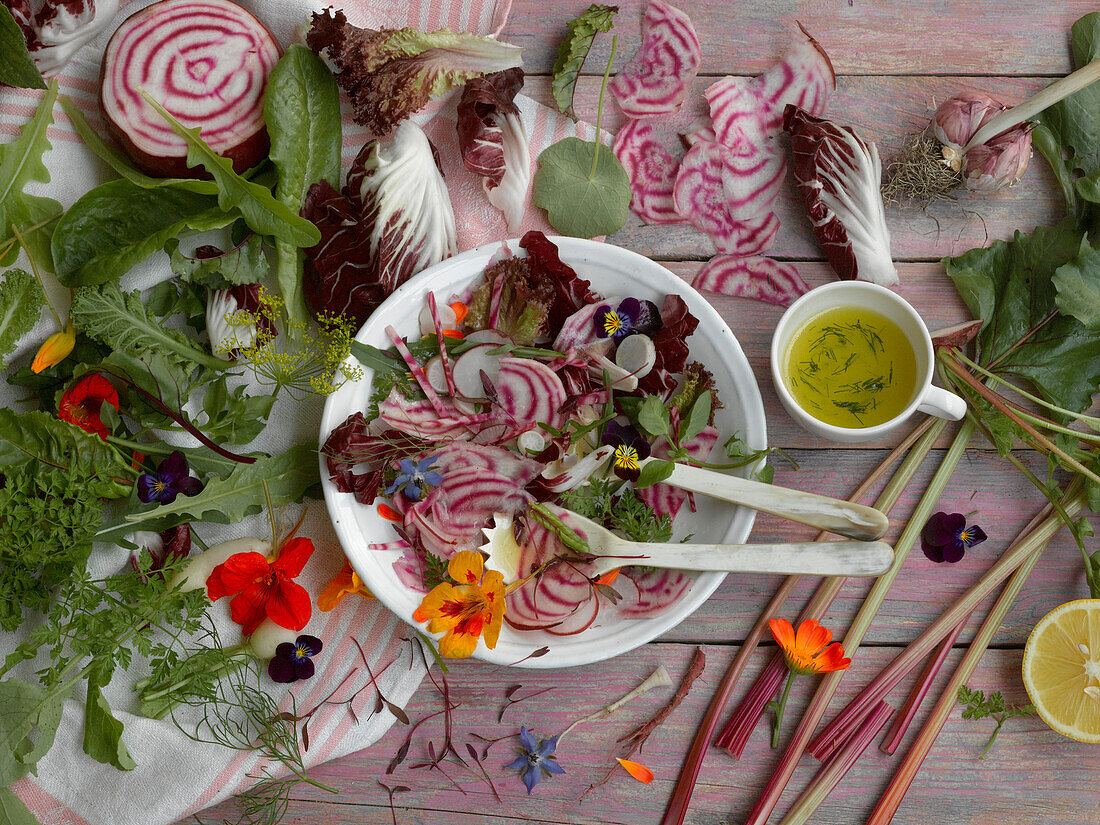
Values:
[(855, 521), (812, 558)]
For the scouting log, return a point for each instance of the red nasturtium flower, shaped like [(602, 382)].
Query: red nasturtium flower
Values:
[(81, 403), (471, 609), (264, 588)]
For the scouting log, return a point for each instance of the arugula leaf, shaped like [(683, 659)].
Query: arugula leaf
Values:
[(21, 164), (574, 49), (1010, 287), (256, 204), (1078, 285), (302, 112), (16, 64), (29, 718), (122, 164), (103, 732), (583, 195), (12, 809), (234, 417), (287, 478), (21, 302), (122, 321), (245, 263), (119, 224), (39, 439)]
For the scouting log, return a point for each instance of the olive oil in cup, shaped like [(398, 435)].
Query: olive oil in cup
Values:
[(853, 360)]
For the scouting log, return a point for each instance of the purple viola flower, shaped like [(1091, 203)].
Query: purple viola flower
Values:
[(946, 538), (294, 660), (171, 478), (414, 476), (536, 759), (631, 449), (631, 316)]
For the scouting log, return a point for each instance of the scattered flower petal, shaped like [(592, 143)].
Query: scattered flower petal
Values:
[(637, 770)]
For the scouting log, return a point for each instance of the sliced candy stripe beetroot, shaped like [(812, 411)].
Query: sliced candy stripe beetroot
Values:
[(659, 75), (207, 63), (700, 196), (751, 108), (759, 278), (652, 172), (751, 182)]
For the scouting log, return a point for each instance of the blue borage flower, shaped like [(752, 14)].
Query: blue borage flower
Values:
[(294, 660), (946, 538), (414, 477), (536, 759), (631, 449), (170, 479), (629, 317)]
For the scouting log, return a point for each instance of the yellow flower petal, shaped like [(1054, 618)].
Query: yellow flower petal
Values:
[(466, 567), (55, 349)]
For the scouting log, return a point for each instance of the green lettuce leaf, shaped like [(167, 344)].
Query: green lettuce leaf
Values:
[(16, 65), (12, 809), (302, 112), (118, 224), (21, 164), (1078, 285), (122, 321), (584, 195), (255, 202), (29, 718), (574, 49), (1011, 287), (21, 302), (103, 732)]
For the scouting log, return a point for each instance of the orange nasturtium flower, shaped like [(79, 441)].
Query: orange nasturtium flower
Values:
[(344, 583), (470, 609), (55, 349), (807, 651)]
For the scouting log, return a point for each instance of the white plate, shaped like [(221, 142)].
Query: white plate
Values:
[(612, 271)]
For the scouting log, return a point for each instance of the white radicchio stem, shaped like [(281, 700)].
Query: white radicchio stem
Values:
[(1056, 91), (658, 678)]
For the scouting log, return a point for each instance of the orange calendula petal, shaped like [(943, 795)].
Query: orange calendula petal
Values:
[(452, 333), (782, 632), (608, 577), (466, 567), (812, 637), (388, 513), (637, 770), (335, 590)]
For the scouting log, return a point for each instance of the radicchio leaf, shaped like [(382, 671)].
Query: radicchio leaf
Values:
[(652, 172), (60, 28), (839, 175), (658, 77), (352, 445), (670, 342), (493, 142), (393, 219), (571, 291), (392, 73), (759, 278)]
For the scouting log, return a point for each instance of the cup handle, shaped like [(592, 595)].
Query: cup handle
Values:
[(942, 404)]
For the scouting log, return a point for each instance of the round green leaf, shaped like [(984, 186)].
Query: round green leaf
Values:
[(580, 199)]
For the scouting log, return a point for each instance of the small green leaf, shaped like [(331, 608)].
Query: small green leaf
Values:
[(29, 717), (699, 418), (1089, 187), (1078, 285), (16, 64), (573, 51), (257, 205), (21, 302), (653, 417), (584, 195), (245, 263), (12, 809), (654, 471), (103, 732)]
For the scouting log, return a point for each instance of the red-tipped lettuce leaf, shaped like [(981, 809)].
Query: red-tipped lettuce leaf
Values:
[(571, 291)]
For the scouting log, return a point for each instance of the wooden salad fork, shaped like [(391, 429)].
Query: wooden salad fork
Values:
[(812, 558), (856, 521)]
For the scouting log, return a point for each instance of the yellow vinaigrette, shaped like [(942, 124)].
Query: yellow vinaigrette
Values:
[(850, 367)]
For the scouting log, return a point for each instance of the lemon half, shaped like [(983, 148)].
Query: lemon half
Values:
[(1061, 669)]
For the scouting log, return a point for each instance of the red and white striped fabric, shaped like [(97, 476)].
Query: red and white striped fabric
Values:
[(175, 776)]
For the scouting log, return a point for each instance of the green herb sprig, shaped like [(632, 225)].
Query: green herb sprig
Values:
[(980, 706)]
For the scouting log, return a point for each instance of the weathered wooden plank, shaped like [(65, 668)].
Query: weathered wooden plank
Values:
[(884, 109), (1031, 776), (1009, 37)]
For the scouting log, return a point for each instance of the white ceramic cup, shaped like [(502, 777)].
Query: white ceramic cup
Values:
[(926, 397)]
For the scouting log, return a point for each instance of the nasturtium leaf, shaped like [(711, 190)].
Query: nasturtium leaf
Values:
[(1078, 285), (573, 51), (12, 809), (16, 64), (29, 717), (21, 302), (584, 194), (21, 164), (1010, 286), (103, 732)]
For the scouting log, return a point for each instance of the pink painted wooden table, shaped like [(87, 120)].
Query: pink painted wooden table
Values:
[(894, 59)]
